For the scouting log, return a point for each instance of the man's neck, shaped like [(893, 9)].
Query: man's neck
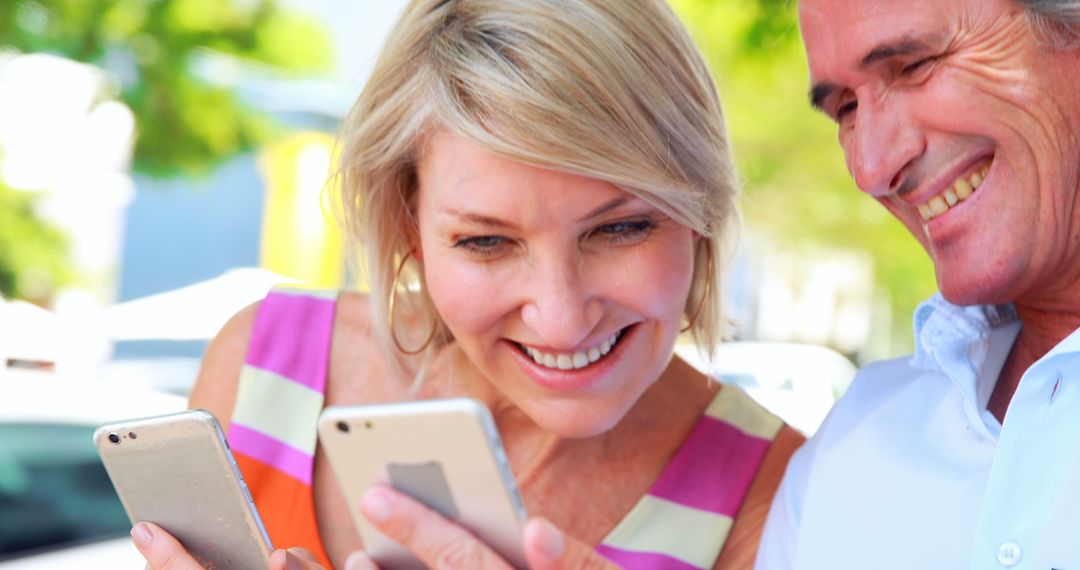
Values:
[(1043, 328)]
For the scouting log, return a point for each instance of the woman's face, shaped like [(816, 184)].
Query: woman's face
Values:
[(565, 292)]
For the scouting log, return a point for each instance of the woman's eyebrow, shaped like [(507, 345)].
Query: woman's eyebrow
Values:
[(496, 222), (476, 217)]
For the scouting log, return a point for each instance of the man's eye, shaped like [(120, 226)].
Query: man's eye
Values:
[(846, 109), (917, 65)]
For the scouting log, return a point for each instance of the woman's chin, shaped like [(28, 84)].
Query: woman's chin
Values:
[(577, 420)]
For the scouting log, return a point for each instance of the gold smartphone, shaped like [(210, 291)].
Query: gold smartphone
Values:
[(446, 453), (177, 471)]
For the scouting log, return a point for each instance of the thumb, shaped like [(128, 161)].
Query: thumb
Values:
[(548, 548), (160, 549)]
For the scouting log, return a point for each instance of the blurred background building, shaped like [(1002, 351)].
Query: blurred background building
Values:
[(162, 164)]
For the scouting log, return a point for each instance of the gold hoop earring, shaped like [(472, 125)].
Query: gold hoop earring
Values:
[(708, 289), (393, 295)]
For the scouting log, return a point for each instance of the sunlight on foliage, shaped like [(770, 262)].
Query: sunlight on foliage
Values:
[(798, 194), (33, 255), (185, 123)]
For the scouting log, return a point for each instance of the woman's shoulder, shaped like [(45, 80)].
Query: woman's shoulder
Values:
[(346, 318), (354, 314), (741, 545), (219, 374)]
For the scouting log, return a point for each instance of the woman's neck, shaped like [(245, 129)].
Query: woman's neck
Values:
[(659, 420)]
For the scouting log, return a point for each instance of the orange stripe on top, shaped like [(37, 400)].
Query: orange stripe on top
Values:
[(286, 506)]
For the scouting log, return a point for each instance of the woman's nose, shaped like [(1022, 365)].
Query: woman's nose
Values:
[(561, 307)]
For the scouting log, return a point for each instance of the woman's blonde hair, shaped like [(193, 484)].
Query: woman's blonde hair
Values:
[(613, 90)]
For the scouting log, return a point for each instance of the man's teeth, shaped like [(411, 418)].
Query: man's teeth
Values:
[(961, 190), (575, 360)]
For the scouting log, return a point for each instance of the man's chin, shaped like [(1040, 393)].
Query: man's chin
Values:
[(973, 290)]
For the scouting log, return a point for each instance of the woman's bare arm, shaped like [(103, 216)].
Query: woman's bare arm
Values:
[(742, 543), (219, 376)]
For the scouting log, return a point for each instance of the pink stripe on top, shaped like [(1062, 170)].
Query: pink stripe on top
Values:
[(643, 560), (287, 326), (271, 451), (713, 469)]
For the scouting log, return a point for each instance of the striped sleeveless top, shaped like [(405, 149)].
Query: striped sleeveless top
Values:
[(280, 395)]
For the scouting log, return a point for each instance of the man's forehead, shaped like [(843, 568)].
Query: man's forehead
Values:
[(851, 33)]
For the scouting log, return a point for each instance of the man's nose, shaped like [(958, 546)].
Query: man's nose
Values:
[(561, 307), (884, 142)]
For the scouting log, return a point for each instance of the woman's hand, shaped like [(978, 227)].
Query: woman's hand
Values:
[(163, 552), (443, 545)]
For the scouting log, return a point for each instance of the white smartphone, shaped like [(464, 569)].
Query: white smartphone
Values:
[(177, 471), (446, 453)]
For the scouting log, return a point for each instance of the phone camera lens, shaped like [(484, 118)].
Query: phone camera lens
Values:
[(114, 438), (343, 427)]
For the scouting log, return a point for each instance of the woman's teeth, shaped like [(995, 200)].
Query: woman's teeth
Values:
[(575, 360), (961, 190)]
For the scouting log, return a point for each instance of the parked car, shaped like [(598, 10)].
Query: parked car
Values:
[(797, 382), (57, 506)]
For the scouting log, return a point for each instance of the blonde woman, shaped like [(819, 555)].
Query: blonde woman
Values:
[(545, 196)]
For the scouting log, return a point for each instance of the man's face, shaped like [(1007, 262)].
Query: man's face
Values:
[(965, 127)]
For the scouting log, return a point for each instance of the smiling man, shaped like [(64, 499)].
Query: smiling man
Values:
[(962, 117)]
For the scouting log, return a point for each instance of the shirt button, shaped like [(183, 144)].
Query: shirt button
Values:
[(1009, 553)]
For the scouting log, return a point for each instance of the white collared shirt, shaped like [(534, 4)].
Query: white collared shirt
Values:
[(910, 470)]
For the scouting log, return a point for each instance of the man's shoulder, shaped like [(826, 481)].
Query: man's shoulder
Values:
[(881, 377), (873, 386)]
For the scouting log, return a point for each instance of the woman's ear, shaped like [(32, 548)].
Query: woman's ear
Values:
[(412, 236)]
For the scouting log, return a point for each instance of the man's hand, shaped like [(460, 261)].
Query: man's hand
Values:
[(163, 552), (444, 545)]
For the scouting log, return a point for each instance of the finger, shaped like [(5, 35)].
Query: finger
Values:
[(360, 561), (438, 542), (160, 549), (294, 559), (548, 548)]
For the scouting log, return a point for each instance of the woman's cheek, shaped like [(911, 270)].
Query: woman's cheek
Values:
[(469, 299)]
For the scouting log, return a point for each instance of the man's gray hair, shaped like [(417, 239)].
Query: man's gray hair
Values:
[(1055, 21)]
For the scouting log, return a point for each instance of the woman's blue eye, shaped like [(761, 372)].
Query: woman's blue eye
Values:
[(482, 241), (626, 230), (482, 245)]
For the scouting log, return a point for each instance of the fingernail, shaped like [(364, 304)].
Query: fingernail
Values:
[(292, 562), (140, 533), (376, 506), (359, 561), (549, 539)]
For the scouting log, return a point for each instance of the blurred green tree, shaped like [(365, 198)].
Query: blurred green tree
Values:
[(185, 124), (33, 255), (798, 193)]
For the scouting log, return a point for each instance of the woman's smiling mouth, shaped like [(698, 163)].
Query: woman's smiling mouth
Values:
[(574, 360)]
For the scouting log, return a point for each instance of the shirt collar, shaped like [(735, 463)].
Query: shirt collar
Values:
[(1071, 345), (967, 344)]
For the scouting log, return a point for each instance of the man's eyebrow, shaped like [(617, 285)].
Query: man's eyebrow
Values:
[(906, 46), (902, 47), (820, 92)]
